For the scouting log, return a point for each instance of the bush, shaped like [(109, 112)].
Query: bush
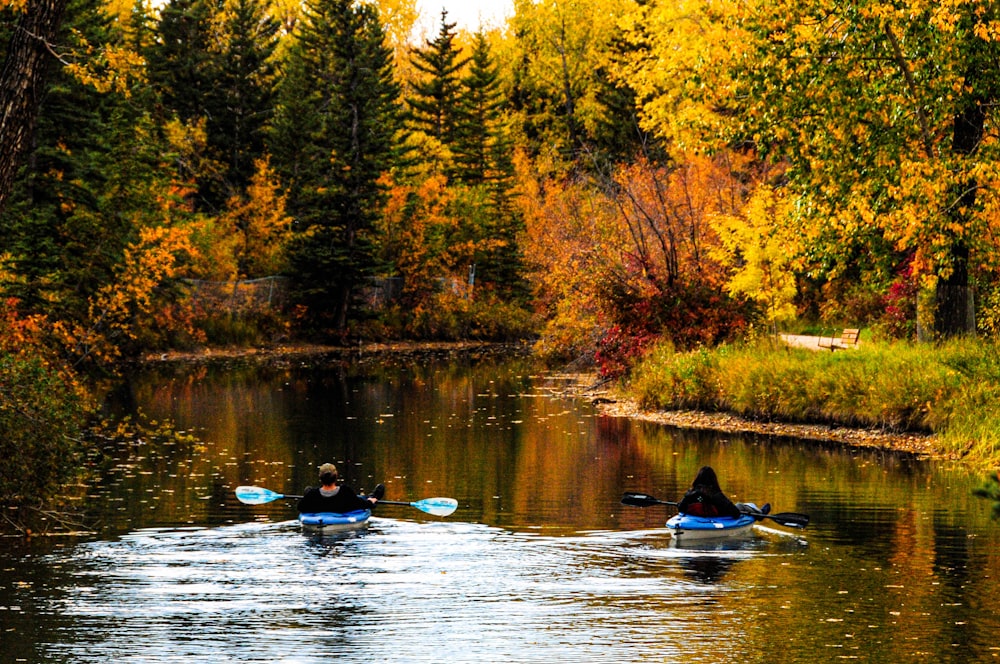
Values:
[(41, 414), (688, 315)]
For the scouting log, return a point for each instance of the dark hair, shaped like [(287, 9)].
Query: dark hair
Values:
[(328, 478), (706, 478)]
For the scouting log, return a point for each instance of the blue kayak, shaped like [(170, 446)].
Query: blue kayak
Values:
[(332, 522), (689, 527)]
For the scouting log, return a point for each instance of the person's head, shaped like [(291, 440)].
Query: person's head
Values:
[(328, 474), (706, 478)]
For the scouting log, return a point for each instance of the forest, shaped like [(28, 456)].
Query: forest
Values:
[(598, 176)]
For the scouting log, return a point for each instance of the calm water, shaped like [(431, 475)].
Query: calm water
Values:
[(540, 563)]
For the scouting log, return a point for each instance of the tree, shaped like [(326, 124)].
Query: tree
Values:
[(879, 110), (759, 248), (242, 95), (334, 135), (483, 163), (68, 215), (560, 46), (212, 64), (481, 146), (433, 107), (179, 63), (26, 62)]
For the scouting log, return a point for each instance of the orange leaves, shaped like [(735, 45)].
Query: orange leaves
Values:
[(641, 232), (416, 229), (258, 225), (118, 309), (20, 334)]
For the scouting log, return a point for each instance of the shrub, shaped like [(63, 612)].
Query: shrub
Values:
[(41, 412)]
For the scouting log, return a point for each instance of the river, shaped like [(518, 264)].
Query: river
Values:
[(540, 562)]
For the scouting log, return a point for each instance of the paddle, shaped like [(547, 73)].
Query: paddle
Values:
[(255, 495), (790, 519)]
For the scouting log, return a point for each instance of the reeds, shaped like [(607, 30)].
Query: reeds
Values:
[(950, 389)]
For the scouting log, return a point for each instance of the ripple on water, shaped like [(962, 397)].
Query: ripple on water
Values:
[(400, 591)]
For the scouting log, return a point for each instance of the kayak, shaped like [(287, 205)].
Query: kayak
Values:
[(334, 522), (688, 527)]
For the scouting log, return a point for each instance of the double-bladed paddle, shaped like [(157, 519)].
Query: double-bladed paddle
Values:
[(790, 519), (255, 495)]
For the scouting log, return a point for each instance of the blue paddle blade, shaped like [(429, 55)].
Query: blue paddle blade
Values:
[(436, 506), (255, 495)]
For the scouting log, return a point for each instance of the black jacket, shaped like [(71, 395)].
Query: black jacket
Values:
[(345, 500), (704, 501)]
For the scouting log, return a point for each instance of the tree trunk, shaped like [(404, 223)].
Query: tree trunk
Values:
[(953, 314), (22, 81)]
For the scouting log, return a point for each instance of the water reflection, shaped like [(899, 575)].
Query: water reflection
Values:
[(539, 563)]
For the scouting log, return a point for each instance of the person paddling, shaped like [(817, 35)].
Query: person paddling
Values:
[(334, 497), (705, 498)]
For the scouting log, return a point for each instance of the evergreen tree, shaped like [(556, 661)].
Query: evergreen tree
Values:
[(434, 103), (179, 63), (212, 64), (26, 61), (481, 147), (334, 136), (240, 100), (482, 151)]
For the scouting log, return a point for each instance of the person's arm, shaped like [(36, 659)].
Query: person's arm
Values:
[(307, 503), (690, 496), (725, 506), (351, 500)]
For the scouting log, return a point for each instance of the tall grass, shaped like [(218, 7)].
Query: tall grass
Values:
[(951, 389)]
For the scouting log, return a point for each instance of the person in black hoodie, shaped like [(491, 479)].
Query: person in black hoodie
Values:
[(705, 498), (334, 497)]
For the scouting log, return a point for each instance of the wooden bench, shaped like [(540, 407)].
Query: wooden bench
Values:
[(848, 339)]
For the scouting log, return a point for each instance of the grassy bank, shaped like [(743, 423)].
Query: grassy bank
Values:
[(951, 390)]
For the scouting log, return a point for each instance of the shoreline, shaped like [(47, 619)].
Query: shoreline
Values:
[(917, 444)]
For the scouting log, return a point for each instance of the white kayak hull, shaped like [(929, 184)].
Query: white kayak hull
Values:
[(333, 522), (690, 528)]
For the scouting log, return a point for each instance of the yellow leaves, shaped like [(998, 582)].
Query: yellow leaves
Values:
[(988, 30), (254, 228), (682, 63), (107, 68), (146, 266), (14, 5), (418, 231), (760, 248)]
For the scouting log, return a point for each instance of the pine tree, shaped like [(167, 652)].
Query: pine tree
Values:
[(433, 105), (482, 151), (22, 78), (333, 137), (179, 61), (241, 99), (481, 147), (212, 63)]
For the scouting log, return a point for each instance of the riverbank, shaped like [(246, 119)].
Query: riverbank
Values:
[(301, 352), (922, 445)]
